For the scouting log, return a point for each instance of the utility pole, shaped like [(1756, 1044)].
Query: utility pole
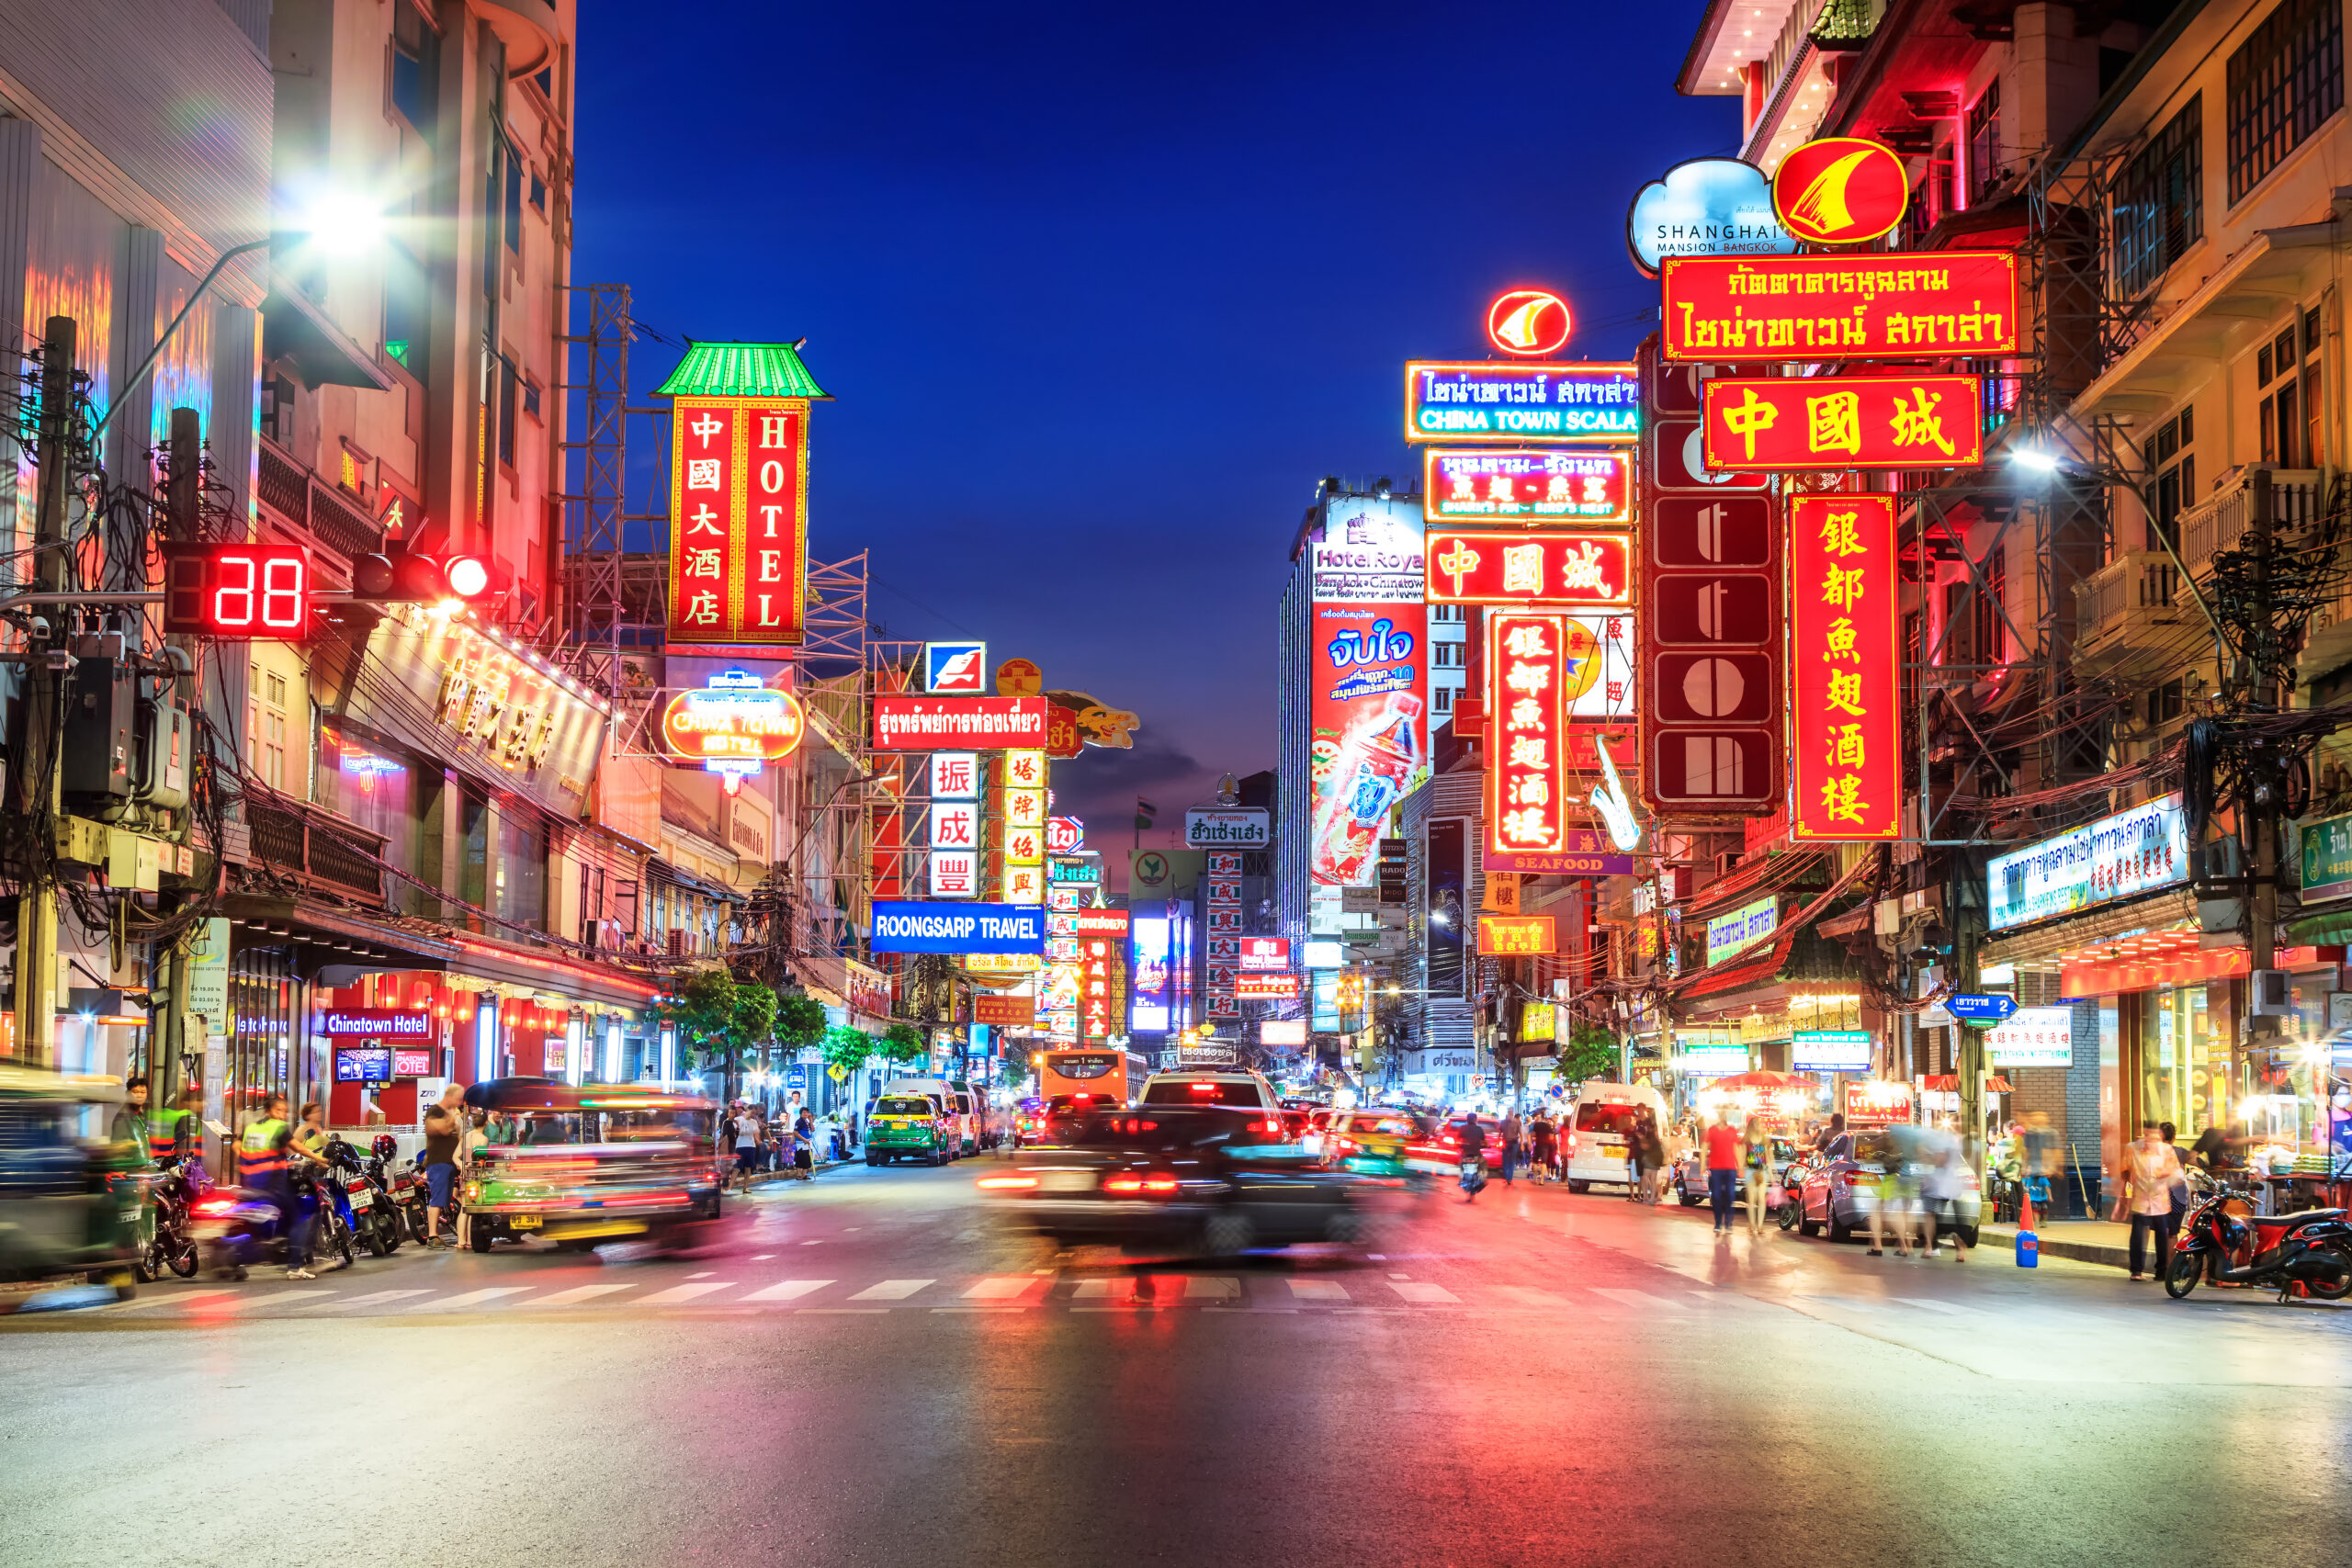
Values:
[(183, 484), (37, 904), (2265, 783)]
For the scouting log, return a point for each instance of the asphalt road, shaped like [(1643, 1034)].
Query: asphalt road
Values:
[(866, 1371)]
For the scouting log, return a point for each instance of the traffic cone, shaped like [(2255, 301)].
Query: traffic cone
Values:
[(2028, 1245)]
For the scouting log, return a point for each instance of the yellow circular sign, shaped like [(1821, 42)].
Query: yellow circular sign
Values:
[(1019, 678), (1582, 655), (756, 724)]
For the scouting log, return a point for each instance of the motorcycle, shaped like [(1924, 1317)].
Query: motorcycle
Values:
[(373, 1221), (171, 1242), (240, 1227), (2222, 1242)]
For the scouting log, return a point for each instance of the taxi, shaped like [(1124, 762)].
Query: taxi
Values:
[(582, 1165), (911, 1126)]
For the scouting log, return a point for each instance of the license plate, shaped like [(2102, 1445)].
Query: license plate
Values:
[(1066, 1182), (361, 1199), (524, 1223)]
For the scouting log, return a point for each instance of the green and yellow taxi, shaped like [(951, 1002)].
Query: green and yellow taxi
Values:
[(911, 1126)]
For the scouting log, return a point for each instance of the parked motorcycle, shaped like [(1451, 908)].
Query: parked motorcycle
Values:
[(2223, 1242), (171, 1237), (374, 1223)]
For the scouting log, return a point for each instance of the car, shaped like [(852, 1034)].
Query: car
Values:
[(1441, 1152), (1838, 1195), (1690, 1179), (1213, 1179), (1216, 1086), (1063, 1114), (1596, 1141), (911, 1126)]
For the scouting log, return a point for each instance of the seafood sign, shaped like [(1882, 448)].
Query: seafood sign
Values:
[(1882, 305)]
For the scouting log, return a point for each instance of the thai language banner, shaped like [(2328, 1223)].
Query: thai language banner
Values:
[(1845, 679), (2121, 856), (1883, 305), (1782, 423), (739, 519), (1487, 402), (1518, 568), (1527, 486), (924, 724)]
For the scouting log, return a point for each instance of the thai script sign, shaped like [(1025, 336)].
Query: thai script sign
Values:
[(1880, 305), (903, 723), (1506, 402), (2122, 856)]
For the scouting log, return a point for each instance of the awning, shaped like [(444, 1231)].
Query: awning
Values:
[(294, 328), (1948, 1083), (2156, 911)]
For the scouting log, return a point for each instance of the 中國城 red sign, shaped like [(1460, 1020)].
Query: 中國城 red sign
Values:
[(1783, 423), (739, 519), (1878, 305), (1526, 567), (961, 724), (1846, 764)]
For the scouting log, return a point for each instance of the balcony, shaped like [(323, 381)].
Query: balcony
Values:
[(314, 512), (2126, 622), (2219, 522), (339, 861)]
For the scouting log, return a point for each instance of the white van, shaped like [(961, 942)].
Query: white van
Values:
[(1599, 1136), (955, 1100)]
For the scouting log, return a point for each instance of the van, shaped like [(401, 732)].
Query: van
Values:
[(1599, 1136), (957, 1101)]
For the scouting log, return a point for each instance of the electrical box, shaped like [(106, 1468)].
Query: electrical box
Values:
[(95, 750), (2268, 995), (159, 772)]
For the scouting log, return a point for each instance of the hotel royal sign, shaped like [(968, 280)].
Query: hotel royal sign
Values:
[(739, 494)]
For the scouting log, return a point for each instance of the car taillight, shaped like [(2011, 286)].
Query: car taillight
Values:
[(1153, 1184), (1007, 1182), (215, 1207)]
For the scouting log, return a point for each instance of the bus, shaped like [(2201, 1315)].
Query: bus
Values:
[(1105, 1070)]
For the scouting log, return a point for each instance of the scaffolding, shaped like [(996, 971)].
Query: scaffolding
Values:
[(595, 466)]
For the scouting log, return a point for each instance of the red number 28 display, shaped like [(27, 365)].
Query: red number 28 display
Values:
[(237, 591)]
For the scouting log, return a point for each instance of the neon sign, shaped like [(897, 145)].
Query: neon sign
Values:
[(1841, 190), (1598, 405), (1846, 725), (1880, 305), (734, 727), (1517, 568), (1532, 323), (1527, 486), (1778, 423)]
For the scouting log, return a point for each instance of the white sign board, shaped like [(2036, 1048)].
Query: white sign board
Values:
[(1226, 828), (2032, 1037), (2122, 856)]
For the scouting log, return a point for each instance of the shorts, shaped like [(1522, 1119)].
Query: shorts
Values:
[(439, 1182), (747, 1159)]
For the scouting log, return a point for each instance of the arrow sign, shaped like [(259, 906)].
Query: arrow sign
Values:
[(1982, 1009)]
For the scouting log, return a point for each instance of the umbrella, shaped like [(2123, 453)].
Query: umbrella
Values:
[(1765, 1080)]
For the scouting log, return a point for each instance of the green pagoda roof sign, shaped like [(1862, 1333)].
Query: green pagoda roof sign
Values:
[(741, 370)]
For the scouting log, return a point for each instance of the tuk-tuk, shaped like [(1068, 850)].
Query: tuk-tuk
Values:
[(583, 1164), (59, 1210)]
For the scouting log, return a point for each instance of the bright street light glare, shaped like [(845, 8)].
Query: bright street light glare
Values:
[(342, 224), (2035, 458)]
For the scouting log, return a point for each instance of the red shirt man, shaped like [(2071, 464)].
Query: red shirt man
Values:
[(1722, 1146)]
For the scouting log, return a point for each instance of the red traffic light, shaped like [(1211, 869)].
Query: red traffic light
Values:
[(401, 575)]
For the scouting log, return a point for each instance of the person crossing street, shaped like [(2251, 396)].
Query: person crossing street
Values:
[(262, 1165), (1723, 1166)]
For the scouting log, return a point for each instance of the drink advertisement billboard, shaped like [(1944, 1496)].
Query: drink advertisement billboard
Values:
[(1366, 746)]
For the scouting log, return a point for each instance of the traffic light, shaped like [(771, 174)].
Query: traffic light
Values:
[(404, 576)]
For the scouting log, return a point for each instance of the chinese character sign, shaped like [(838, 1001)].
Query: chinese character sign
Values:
[(1525, 568), (739, 519), (1845, 682), (1869, 305), (1527, 486), (1528, 671), (1781, 424)]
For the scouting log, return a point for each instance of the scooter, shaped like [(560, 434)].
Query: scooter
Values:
[(171, 1245), (239, 1228), (373, 1223), (2224, 1243)]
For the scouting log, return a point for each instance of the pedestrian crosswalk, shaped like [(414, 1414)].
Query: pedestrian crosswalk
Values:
[(1364, 1291)]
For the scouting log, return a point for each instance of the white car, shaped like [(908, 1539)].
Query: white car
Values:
[(1220, 1086)]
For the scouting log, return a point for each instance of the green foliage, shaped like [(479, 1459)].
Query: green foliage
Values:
[(1590, 1053), (1012, 1072), (847, 1048), (904, 1043), (717, 1019), (799, 1021)]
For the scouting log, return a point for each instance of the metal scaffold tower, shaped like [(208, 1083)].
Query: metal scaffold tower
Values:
[(595, 367)]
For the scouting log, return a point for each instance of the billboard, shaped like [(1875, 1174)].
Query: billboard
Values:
[(1731, 935), (1263, 954), (1706, 207), (1841, 190), (1783, 425), (1526, 567), (1868, 305), (1370, 552), (923, 724), (1366, 746), (1845, 678), (961, 927), (739, 519), (1445, 869), (1148, 985), (1562, 486), (1510, 403), (2122, 856), (1226, 828)]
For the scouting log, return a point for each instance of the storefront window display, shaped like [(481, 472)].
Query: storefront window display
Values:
[(2184, 1069)]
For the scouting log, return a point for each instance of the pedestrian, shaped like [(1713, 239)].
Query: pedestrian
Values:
[(310, 1139), (1756, 1162), (1887, 1211), (1542, 1138), (1637, 1156), (804, 1145), (132, 1126), (441, 1135), (260, 1165), (1722, 1140), (1515, 1135), (2149, 1169), (1473, 1158), (1834, 1142), (2180, 1189), (1942, 1182), (747, 1144), (1657, 1158), (2037, 1159)]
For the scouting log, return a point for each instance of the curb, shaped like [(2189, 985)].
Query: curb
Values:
[(2058, 1246)]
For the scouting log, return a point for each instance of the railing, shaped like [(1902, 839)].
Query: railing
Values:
[(302, 499), (2145, 580), (287, 843), (2218, 522)]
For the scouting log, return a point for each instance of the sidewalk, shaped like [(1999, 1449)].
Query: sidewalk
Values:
[(2085, 1241)]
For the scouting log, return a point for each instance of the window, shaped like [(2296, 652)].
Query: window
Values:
[(2165, 703), (2289, 381), (531, 398), (408, 310), (266, 726), (518, 876), (1915, 638), (1443, 697), (1445, 612), (2285, 79), (416, 69), (1445, 655), (2175, 467), (538, 193), (515, 203), (1985, 140), (2159, 204), (278, 410), (507, 402), (1989, 635), (371, 787)]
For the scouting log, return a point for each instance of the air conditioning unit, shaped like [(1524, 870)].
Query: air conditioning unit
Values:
[(2269, 995)]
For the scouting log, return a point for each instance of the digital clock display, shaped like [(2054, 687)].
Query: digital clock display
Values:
[(237, 591)]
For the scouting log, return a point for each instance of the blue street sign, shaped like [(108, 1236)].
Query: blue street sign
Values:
[(796, 1078), (1982, 1008)]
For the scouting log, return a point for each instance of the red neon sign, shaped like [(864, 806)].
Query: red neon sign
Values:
[(1532, 323), (1845, 730), (1841, 190), (1781, 424), (237, 591), (1879, 305)]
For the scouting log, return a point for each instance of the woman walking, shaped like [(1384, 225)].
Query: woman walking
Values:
[(1756, 1164)]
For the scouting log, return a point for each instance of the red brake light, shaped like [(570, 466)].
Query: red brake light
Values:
[(215, 1205), (1008, 1181), (1160, 1184), (1122, 1184), (1204, 1088)]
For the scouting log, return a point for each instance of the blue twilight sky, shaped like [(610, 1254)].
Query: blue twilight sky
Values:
[(1102, 290)]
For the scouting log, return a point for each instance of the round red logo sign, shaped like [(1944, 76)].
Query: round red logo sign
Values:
[(1531, 323), (1839, 190)]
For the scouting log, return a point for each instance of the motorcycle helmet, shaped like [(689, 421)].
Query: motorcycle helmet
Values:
[(385, 1146)]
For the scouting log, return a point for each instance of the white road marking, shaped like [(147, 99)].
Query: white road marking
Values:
[(179, 1298), (380, 1297), (471, 1298), (1945, 1308), (1210, 1288), (579, 1294), (1422, 1291), (678, 1294), (1317, 1291), (1641, 1298), (788, 1290), (891, 1290), (1120, 1289), (1001, 1286)]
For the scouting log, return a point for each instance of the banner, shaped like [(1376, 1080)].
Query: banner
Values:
[(1783, 424), (1366, 747), (739, 519), (959, 927), (923, 724), (1845, 678), (1868, 305)]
